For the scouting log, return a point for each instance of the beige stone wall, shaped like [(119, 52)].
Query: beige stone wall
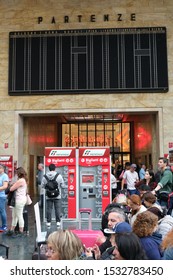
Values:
[(22, 15)]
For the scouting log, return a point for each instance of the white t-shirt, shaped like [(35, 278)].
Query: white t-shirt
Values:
[(113, 182), (131, 178)]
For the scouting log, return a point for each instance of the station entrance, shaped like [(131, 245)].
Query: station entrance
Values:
[(131, 137)]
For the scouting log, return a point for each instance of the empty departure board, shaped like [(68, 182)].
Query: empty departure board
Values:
[(117, 60)]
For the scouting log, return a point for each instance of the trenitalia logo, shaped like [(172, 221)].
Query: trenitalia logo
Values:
[(60, 153), (94, 152), (5, 158)]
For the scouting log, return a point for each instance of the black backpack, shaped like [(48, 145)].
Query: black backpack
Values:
[(52, 189)]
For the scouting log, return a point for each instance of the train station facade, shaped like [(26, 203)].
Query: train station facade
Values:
[(84, 73)]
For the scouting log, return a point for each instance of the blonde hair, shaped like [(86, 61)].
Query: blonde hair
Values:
[(66, 244)]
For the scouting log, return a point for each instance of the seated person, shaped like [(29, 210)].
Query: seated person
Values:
[(145, 227)]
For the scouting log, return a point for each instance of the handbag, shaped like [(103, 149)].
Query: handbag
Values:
[(11, 198), (28, 199)]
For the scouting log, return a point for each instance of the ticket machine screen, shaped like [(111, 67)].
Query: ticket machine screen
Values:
[(87, 179)]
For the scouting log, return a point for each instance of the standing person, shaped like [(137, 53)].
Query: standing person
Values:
[(20, 188), (126, 167), (131, 177), (164, 186), (113, 184), (39, 177), (56, 200), (3, 185), (142, 171)]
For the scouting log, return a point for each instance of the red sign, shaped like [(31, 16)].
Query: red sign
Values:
[(8, 162), (94, 156)]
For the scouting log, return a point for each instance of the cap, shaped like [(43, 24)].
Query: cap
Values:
[(119, 228), (133, 165)]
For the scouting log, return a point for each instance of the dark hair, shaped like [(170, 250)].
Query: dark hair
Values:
[(156, 211), (52, 167), (127, 163), (151, 174), (149, 197), (129, 246), (164, 159)]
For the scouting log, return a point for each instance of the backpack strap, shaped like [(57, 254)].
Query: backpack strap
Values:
[(56, 176), (46, 177)]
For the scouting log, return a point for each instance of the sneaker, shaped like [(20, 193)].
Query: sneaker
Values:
[(9, 232), (3, 229), (18, 234), (58, 224), (48, 225)]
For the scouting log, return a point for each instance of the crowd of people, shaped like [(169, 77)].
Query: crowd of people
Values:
[(135, 227)]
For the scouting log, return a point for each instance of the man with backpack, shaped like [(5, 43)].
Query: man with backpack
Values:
[(52, 182)]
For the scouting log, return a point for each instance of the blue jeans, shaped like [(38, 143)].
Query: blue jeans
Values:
[(57, 206), (133, 192), (3, 213)]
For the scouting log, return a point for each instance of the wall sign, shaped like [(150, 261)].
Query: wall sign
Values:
[(88, 61)]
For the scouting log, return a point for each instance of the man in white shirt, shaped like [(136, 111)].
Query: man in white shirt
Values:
[(113, 186), (131, 177)]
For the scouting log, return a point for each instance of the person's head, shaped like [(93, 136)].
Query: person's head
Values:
[(115, 216), (145, 224), (120, 227), (64, 245), (128, 247), (149, 199), (21, 173), (156, 211), (52, 167), (143, 166), (133, 167), (2, 168), (127, 165), (134, 202), (40, 166), (162, 163), (149, 175), (120, 199), (143, 189)]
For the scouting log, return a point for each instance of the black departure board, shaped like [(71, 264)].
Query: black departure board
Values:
[(117, 60)]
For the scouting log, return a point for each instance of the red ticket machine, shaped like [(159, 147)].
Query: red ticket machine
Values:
[(65, 162), (94, 179), (8, 162)]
